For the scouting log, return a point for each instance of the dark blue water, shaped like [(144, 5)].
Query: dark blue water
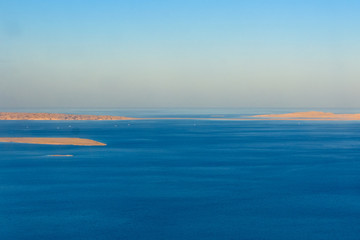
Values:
[(182, 179)]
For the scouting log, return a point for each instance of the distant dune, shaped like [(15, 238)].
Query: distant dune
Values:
[(313, 115), (53, 141), (56, 116)]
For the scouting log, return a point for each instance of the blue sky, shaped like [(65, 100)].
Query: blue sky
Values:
[(179, 53)]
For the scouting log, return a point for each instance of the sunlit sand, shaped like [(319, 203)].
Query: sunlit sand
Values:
[(53, 141), (313, 115), (59, 155)]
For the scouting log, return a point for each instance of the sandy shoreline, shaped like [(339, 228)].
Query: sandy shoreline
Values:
[(52, 141)]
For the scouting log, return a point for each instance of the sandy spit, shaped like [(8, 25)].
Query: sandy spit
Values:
[(53, 141)]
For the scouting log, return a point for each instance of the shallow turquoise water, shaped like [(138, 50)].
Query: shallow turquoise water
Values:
[(182, 179)]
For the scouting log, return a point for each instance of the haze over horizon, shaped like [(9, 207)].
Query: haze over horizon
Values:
[(179, 53)]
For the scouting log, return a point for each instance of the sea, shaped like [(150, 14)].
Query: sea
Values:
[(182, 179)]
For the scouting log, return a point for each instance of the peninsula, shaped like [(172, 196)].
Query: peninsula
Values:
[(56, 116), (52, 141)]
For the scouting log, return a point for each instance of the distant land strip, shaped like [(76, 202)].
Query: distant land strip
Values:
[(299, 116), (57, 116), (310, 116), (52, 141)]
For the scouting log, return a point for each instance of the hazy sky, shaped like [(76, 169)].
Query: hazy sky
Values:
[(179, 53)]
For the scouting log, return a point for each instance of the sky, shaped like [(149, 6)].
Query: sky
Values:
[(179, 53)]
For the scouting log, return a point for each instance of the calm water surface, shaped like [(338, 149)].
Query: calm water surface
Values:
[(182, 179)]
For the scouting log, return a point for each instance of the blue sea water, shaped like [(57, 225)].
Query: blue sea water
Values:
[(182, 179)]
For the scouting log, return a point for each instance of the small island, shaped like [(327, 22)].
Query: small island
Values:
[(52, 141), (61, 155)]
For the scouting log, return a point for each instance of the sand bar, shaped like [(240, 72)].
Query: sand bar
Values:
[(59, 155), (53, 141)]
